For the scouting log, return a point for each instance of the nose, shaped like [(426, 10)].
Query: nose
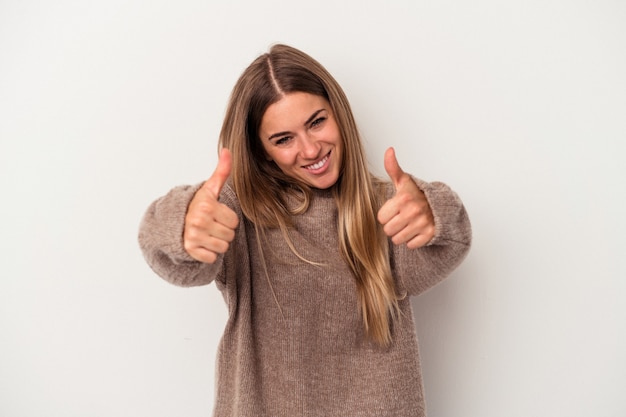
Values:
[(309, 147)]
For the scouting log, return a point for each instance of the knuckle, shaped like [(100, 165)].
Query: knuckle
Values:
[(192, 224), (189, 248), (207, 207), (233, 221), (403, 198), (414, 210), (191, 234), (230, 235), (222, 247), (194, 220), (209, 257)]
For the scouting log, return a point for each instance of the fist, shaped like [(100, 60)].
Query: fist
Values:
[(406, 217), (210, 225)]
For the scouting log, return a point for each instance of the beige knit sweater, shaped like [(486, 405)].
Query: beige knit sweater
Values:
[(296, 347)]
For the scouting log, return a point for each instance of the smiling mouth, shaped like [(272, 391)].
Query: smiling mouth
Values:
[(318, 164)]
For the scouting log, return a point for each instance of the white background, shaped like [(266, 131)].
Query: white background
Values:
[(519, 105)]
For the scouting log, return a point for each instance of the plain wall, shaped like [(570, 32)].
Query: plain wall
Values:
[(520, 106)]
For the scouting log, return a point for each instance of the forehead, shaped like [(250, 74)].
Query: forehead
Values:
[(291, 112)]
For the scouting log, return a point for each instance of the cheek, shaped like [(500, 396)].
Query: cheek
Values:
[(285, 159), (336, 135)]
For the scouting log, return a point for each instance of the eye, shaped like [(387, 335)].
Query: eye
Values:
[(318, 121), (282, 141)]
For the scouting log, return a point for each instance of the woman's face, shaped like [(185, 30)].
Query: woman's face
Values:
[(300, 134)]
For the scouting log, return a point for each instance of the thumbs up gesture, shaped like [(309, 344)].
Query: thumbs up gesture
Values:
[(210, 225), (406, 217)]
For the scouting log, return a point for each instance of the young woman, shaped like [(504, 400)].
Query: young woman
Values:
[(315, 257)]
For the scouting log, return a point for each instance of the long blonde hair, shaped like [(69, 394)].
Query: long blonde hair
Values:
[(358, 194)]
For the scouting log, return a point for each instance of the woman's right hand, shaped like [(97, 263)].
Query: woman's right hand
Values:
[(210, 225)]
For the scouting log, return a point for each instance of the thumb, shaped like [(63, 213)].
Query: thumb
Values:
[(392, 167), (221, 173)]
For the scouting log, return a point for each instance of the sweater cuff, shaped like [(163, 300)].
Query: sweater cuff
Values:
[(448, 213), (165, 220)]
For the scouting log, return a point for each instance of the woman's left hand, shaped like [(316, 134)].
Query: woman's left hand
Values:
[(406, 217)]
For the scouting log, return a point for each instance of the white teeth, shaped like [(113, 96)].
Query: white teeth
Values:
[(319, 164)]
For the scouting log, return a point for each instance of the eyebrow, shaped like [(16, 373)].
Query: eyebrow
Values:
[(309, 120)]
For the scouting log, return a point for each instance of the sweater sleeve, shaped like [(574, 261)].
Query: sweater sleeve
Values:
[(161, 241), (419, 269)]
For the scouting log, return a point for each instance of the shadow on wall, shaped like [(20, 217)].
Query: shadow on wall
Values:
[(449, 321)]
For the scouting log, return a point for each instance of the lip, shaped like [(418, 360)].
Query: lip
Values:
[(320, 166)]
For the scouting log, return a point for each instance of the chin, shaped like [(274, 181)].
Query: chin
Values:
[(323, 185)]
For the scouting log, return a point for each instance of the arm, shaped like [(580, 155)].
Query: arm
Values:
[(419, 269), (161, 241), (185, 234), (428, 229)]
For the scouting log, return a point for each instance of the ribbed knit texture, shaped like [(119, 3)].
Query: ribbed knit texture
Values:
[(294, 345)]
